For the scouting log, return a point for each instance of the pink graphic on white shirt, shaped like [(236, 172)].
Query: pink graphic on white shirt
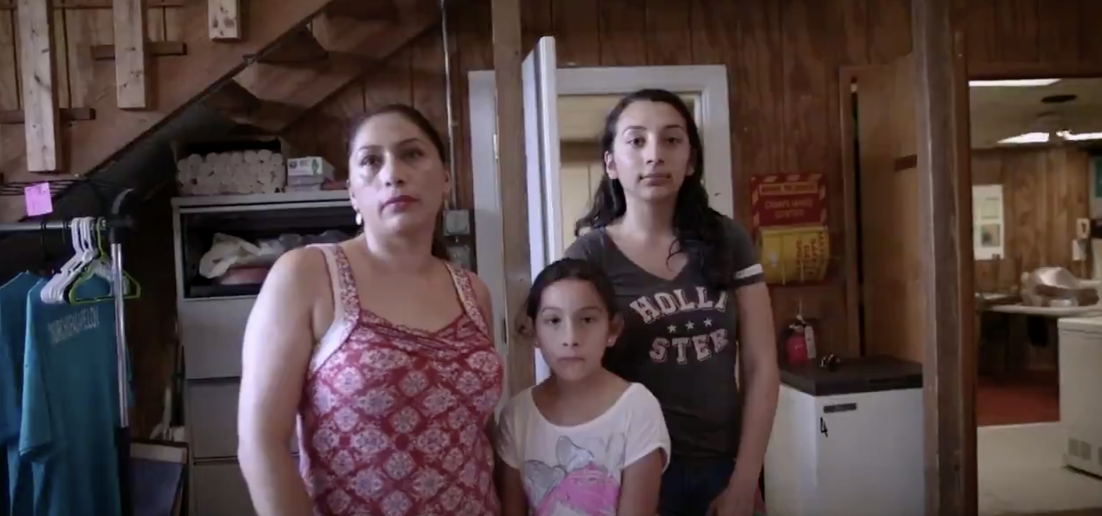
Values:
[(577, 485)]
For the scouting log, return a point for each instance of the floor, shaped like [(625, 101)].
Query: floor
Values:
[(1084, 512), (1021, 472), (1027, 397)]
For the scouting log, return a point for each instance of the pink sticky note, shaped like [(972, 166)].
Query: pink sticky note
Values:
[(37, 198)]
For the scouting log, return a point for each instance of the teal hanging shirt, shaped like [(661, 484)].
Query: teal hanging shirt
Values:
[(16, 497), (70, 406)]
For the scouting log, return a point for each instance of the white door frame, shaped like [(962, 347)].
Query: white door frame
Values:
[(707, 81)]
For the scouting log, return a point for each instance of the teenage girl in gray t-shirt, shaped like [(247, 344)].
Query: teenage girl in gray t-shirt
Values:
[(691, 290)]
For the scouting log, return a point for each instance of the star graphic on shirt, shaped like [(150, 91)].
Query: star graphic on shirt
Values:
[(707, 323), (672, 328), (689, 325)]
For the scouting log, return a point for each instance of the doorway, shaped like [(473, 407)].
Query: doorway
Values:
[(564, 114), (1038, 449), (1031, 171)]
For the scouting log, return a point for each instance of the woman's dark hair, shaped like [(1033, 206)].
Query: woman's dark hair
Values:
[(698, 229), (415, 117), (570, 269)]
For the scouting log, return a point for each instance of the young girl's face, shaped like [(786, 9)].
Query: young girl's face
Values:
[(573, 328)]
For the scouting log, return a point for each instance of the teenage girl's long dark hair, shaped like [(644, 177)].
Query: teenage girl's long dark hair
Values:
[(698, 229), (415, 117)]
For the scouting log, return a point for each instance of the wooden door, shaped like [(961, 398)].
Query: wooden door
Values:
[(890, 216)]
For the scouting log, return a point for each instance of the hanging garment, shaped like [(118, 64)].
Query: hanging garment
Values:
[(17, 487), (70, 407)]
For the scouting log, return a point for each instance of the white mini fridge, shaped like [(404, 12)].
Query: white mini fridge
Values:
[(1080, 363), (848, 442)]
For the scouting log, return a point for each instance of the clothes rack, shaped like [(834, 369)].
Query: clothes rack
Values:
[(114, 225)]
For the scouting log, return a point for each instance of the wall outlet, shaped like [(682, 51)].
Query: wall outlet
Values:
[(1082, 229), (457, 222)]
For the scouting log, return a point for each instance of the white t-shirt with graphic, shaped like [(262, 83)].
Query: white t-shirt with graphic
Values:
[(577, 470)]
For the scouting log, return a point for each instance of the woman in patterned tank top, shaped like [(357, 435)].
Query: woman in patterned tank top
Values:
[(378, 349)]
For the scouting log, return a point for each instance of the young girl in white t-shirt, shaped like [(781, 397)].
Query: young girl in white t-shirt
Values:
[(584, 442)]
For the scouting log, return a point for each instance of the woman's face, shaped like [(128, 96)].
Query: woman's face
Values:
[(650, 152), (397, 180)]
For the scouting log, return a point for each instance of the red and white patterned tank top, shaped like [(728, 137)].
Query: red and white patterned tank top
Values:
[(392, 420)]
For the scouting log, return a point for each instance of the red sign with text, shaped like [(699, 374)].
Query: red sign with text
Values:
[(780, 200)]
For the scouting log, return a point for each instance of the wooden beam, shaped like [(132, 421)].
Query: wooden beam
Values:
[(36, 62), (224, 17), (354, 47), (131, 80), (512, 185), (232, 99), (949, 365), (152, 49), (16, 116), (298, 48), (363, 10), (96, 4), (237, 104), (988, 71)]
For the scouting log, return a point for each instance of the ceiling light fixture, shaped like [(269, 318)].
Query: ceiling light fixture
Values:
[(1015, 83), (1026, 138), (1068, 135), (1039, 137)]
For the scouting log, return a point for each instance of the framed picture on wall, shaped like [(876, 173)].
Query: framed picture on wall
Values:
[(988, 228)]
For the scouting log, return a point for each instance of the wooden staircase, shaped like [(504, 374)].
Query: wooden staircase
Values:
[(262, 63)]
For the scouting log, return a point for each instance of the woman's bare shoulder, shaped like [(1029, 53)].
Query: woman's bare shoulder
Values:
[(301, 270)]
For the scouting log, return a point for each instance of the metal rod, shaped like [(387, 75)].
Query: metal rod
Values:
[(109, 223), (114, 237), (448, 99), (118, 287)]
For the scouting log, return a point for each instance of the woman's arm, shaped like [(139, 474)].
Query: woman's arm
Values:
[(760, 382), (641, 484), (278, 341), (485, 305)]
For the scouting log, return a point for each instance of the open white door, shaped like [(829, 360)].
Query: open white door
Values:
[(541, 144)]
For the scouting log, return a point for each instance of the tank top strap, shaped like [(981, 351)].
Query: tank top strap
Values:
[(346, 301), (346, 304), (462, 279)]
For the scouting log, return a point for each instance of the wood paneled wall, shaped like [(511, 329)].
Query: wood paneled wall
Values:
[(1044, 192), (76, 27), (782, 59)]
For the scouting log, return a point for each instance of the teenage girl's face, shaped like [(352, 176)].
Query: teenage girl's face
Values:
[(650, 153), (396, 177), (573, 329)]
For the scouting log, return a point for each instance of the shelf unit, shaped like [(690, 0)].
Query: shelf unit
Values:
[(212, 322)]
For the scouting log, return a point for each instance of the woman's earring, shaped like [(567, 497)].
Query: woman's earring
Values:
[(359, 219)]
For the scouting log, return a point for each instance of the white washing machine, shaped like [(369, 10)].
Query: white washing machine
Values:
[(1080, 351), (848, 442)]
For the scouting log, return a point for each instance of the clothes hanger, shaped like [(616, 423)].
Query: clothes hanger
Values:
[(48, 291), (83, 254), (101, 266)]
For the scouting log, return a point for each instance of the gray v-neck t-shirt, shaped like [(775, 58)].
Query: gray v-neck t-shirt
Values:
[(680, 341)]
